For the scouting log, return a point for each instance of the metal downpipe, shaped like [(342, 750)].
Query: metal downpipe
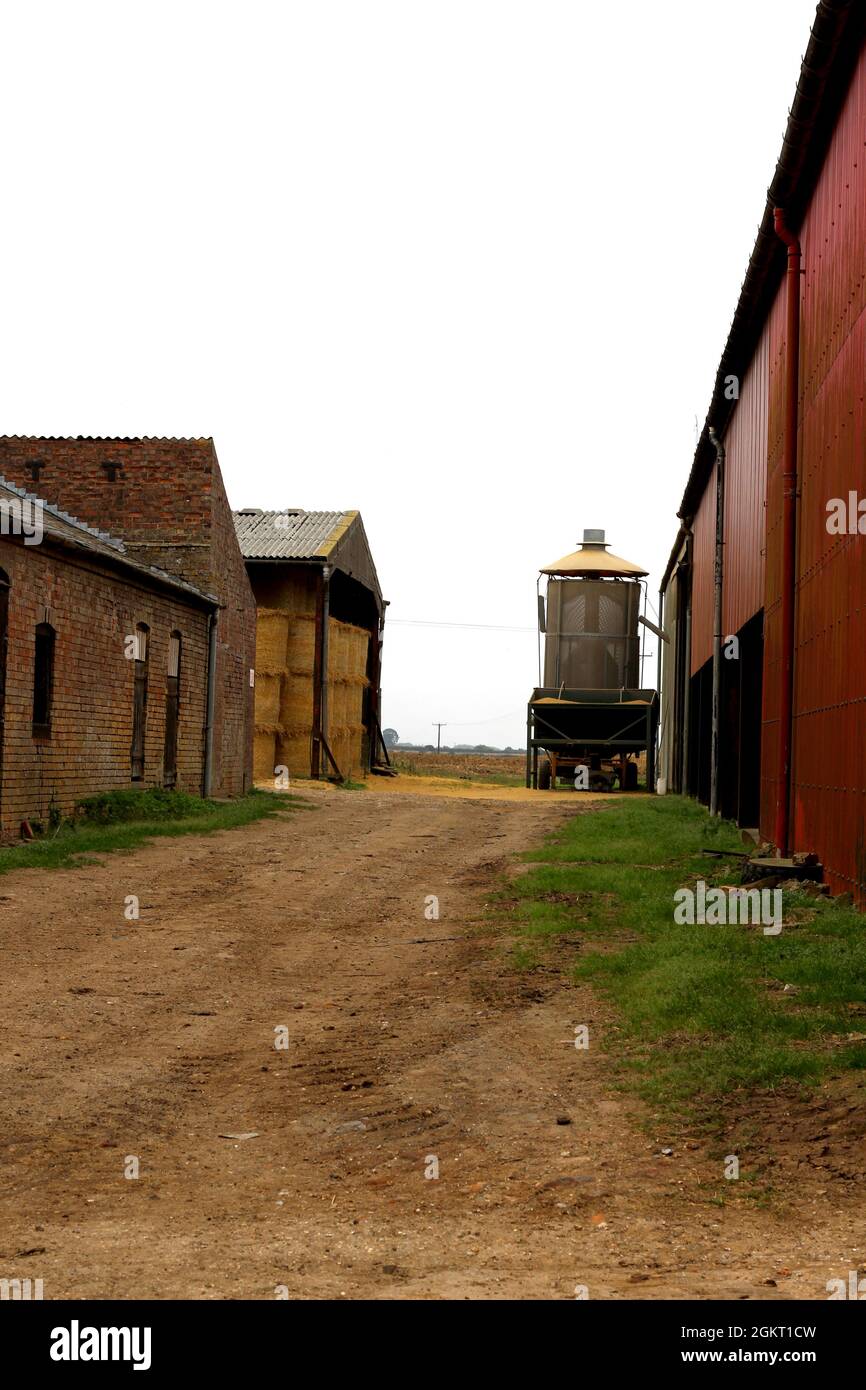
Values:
[(207, 778)]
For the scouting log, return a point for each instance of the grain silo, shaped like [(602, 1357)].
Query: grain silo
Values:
[(591, 629), (589, 710)]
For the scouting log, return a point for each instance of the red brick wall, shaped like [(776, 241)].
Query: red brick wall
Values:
[(234, 715), (92, 611), (169, 505)]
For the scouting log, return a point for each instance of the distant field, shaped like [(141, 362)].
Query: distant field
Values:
[(480, 767)]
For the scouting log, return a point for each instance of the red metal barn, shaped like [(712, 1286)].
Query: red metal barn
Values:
[(770, 729)]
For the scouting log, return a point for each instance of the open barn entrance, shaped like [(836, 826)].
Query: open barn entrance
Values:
[(700, 732), (740, 733)]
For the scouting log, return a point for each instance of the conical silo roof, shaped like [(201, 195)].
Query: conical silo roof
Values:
[(593, 558)]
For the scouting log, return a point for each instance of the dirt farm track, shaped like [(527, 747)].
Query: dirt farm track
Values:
[(407, 1040)]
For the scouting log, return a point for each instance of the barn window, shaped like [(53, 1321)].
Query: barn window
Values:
[(43, 680), (139, 702), (172, 708)]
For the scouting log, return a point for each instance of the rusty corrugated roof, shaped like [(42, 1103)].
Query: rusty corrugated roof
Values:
[(290, 534)]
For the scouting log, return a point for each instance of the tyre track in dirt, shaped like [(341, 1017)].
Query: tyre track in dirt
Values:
[(154, 1038)]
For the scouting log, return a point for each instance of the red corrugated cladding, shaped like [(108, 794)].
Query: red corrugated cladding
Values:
[(704, 529), (829, 754), (745, 476), (775, 329)]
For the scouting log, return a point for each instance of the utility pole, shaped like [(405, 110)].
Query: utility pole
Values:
[(438, 728)]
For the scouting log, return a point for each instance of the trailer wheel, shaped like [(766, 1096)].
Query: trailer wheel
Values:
[(631, 777), (544, 771), (600, 781)]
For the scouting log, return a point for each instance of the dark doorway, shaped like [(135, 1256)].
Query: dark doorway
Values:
[(700, 732), (679, 760), (729, 728), (751, 688)]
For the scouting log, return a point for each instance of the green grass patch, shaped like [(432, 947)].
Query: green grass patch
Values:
[(703, 1009), (154, 804), (124, 820)]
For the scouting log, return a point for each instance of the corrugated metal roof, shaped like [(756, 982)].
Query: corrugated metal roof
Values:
[(66, 529), (291, 534)]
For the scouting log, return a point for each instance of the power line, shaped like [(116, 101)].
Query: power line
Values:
[(426, 622), (494, 719)]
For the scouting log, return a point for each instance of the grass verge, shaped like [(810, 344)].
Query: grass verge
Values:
[(705, 1011), (123, 820)]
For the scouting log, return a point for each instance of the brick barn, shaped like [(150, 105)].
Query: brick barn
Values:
[(764, 594), (165, 501), (319, 643), (103, 668)]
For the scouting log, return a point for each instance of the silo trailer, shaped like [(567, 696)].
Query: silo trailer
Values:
[(591, 719)]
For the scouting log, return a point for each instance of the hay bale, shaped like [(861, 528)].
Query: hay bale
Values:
[(292, 590), (336, 649), (346, 743), (298, 592), (272, 635), (333, 736), (268, 698), (301, 651), (354, 749), (341, 697), (294, 751), (264, 756), (296, 700), (358, 645), (353, 703)]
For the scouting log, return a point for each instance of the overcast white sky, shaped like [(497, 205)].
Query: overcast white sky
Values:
[(466, 266)]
